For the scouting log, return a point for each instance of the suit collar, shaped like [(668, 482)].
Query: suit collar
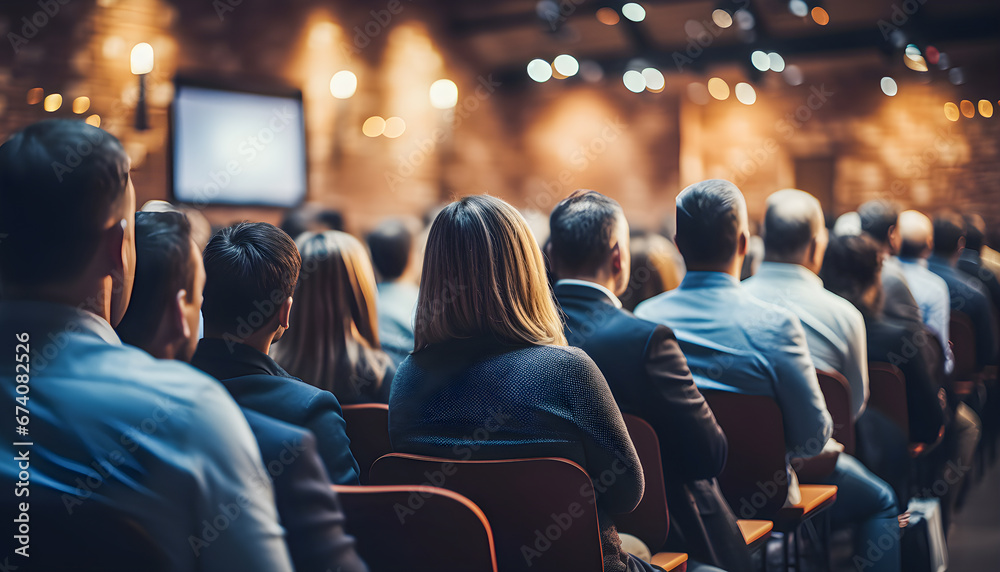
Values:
[(226, 360), (584, 289)]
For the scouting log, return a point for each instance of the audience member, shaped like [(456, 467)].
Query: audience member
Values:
[(493, 358), (655, 268), (311, 217), (335, 341), (155, 441), (735, 342), (251, 270), (391, 245), (647, 373), (929, 289), (970, 260), (847, 224), (968, 295), (880, 220), (169, 278), (795, 241)]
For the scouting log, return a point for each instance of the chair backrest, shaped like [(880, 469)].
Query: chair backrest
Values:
[(837, 392), (650, 521), (542, 510), (887, 387), (963, 340), (754, 480), (417, 528), (368, 430)]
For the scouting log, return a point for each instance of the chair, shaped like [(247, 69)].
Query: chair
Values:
[(887, 395), (754, 480), (837, 392), (368, 430), (417, 528), (541, 510), (963, 339)]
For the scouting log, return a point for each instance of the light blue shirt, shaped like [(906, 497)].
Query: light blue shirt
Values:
[(154, 439), (736, 342), (932, 295), (835, 329), (396, 304)]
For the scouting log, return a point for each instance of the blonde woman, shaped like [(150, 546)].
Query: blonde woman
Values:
[(490, 353), (334, 343)]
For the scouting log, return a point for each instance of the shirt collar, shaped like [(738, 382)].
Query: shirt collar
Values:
[(53, 317), (226, 359), (786, 271), (922, 262), (611, 295), (702, 279)]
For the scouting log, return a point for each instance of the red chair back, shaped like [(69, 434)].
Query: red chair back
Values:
[(542, 510), (837, 392), (963, 340), (887, 387), (417, 528), (650, 521), (753, 480), (368, 430)]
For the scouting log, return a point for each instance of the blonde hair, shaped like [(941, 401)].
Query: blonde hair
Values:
[(483, 274), (332, 341)]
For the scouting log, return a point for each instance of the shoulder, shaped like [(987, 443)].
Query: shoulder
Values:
[(649, 309)]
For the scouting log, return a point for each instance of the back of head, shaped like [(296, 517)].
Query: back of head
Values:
[(251, 269), (877, 219), (582, 227), (163, 267), (916, 233), (793, 219), (483, 275), (391, 244), (975, 232), (852, 269), (711, 217), (60, 181), (949, 230), (311, 217)]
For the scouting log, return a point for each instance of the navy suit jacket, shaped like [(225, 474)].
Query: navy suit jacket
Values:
[(256, 382), (307, 504), (970, 296)]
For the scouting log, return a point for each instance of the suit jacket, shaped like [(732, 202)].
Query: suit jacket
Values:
[(968, 295), (256, 382), (307, 504), (972, 264), (649, 377), (899, 303)]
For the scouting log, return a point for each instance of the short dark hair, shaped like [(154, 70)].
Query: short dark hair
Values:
[(59, 180), (250, 269), (580, 230), (708, 221), (877, 217), (390, 244), (975, 232), (162, 268), (852, 265), (949, 228)]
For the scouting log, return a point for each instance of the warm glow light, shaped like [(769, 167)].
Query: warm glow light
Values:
[(566, 65), (654, 80), (722, 18), (539, 70), (35, 95), (343, 84), (444, 94), (634, 81), (798, 7), (913, 59), (718, 88), (52, 102), (607, 16), (985, 108), (760, 60), (820, 16), (951, 111), (889, 86), (81, 104), (745, 93), (394, 127), (374, 126), (634, 12), (142, 59), (777, 62), (967, 108), (94, 120)]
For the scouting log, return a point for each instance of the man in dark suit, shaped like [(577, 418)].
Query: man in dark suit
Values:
[(647, 373), (251, 270), (162, 319), (970, 260)]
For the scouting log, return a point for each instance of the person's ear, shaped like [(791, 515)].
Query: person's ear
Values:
[(616, 259), (743, 244), (284, 312), (114, 242), (961, 243), (179, 327)]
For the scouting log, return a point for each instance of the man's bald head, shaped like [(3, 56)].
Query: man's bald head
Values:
[(794, 230), (917, 234)]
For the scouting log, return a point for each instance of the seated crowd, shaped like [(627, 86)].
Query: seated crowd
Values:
[(174, 383)]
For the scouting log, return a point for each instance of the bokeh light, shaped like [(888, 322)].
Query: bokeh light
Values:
[(539, 70), (798, 7), (444, 94), (888, 86), (343, 84), (607, 16), (634, 81), (81, 105), (35, 95), (722, 18), (967, 108), (94, 120), (985, 108), (951, 111), (745, 93), (718, 88), (142, 59), (374, 126), (654, 79), (760, 60), (52, 102), (820, 16), (777, 63), (394, 127), (634, 12), (566, 65)]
